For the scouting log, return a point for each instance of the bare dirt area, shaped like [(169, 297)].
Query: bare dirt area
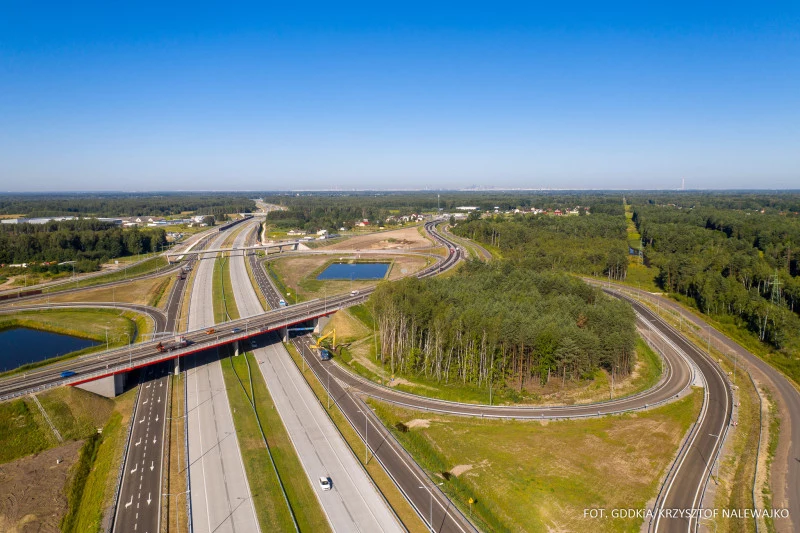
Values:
[(399, 239), (32, 490)]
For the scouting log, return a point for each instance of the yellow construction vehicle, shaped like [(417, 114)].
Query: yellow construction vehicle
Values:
[(322, 351)]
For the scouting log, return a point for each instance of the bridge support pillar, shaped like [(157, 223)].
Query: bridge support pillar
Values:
[(320, 323), (109, 386), (177, 365), (235, 348), (284, 333)]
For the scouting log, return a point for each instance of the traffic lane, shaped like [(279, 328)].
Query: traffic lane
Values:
[(785, 471), (353, 503), (244, 293), (686, 490), (139, 502), (679, 376), (220, 492), (407, 475), (201, 307)]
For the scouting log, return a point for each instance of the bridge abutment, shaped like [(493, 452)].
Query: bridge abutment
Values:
[(109, 386)]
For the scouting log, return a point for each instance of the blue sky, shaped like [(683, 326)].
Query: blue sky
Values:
[(307, 96)]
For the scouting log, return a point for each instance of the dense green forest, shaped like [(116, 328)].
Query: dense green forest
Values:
[(118, 204), (594, 244), (88, 241), (502, 322), (740, 263)]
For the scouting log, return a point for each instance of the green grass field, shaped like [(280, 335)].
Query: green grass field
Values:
[(23, 430), (271, 508), (222, 292), (540, 476)]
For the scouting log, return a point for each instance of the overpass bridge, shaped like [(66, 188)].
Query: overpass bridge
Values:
[(289, 245), (109, 367)]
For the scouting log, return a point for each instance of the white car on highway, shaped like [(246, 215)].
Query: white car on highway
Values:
[(325, 483)]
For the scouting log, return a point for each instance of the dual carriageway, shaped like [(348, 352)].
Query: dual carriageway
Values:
[(684, 486)]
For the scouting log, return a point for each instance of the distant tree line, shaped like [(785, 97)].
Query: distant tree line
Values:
[(88, 241), (116, 204), (505, 323), (594, 245)]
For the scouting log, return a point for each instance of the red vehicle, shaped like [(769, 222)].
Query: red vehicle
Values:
[(179, 342)]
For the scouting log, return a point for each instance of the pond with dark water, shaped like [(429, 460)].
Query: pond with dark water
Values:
[(19, 346), (355, 271)]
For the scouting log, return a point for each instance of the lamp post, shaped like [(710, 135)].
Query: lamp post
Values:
[(130, 350), (431, 508)]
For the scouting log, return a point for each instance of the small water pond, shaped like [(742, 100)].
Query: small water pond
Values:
[(19, 346), (355, 271)]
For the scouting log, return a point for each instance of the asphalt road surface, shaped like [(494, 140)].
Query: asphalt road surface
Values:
[(139, 504), (220, 494), (353, 503)]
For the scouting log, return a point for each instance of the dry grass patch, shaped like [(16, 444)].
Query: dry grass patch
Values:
[(399, 239), (140, 292), (535, 477)]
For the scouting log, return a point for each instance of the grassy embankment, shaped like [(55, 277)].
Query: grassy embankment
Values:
[(173, 508), (77, 415), (92, 488), (89, 324), (540, 475), (354, 328), (145, 267), (379, 476), (270, 460), (149, 291)]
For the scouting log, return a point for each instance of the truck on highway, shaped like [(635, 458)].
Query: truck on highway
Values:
[(179, 342), (68, 373)]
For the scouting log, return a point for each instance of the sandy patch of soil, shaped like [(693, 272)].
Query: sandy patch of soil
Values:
[(399, 239), (32, 490), (418, 423), (460, 469)]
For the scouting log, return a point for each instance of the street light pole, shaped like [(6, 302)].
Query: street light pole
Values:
[(431, 506)]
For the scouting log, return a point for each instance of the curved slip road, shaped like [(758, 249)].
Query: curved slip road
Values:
[(785, 468)]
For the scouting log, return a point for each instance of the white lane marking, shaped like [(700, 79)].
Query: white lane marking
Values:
[(148, 499), (138, 443), (152, 463), (134, 468), (130, 502)]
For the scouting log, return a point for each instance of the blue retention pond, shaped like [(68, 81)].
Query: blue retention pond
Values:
[(355, 271), (20, 346)]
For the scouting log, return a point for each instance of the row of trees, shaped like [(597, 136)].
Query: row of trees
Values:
[(502, 323), (75, 240)]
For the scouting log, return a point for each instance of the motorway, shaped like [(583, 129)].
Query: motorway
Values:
[(139, 503), (353, 503), (683, 487), (219, 491)]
